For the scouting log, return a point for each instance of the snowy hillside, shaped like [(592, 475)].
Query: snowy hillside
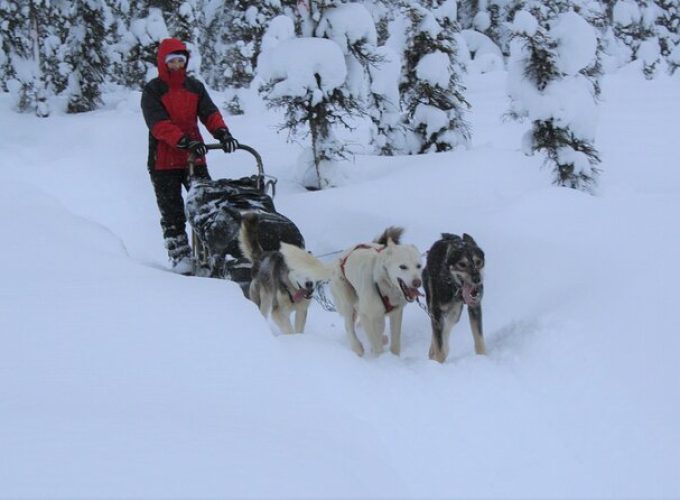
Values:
[(119, 379)]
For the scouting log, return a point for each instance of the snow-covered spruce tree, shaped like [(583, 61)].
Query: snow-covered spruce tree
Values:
[(139, 44), (118, 49), (432, 95), (546, 84), (86, 55), (12, 22), (388, 136), (240, 39), (634, 26), (490, 19), (308, 13), (485, 16), (21, 24), (383, 12), (216, 16), (668, 31), (180, 19), (352, 27), (305, 77), (56, 27)]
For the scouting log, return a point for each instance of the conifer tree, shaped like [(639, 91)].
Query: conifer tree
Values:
[(240, 44), (539, 73), (216, 21), (431, 92), (491, 19), (139, 44), (86, 55), (180, 18), (634, 25), (383, 12), (388, 135), (668, 31), (22, 25), (56, 27), (314, 106), (11, 20), (118, 37)]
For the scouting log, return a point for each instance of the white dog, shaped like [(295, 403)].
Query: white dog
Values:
[(283, 281), (375, 280)]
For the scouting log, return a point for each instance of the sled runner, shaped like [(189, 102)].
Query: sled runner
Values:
[(214, 209)]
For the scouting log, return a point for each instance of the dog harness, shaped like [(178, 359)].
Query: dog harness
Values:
[(362, 246)]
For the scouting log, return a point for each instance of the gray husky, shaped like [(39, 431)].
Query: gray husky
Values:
[(283, 281), (453, 277)]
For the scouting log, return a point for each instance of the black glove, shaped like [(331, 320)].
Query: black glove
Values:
[(229, 144), (196, 147)]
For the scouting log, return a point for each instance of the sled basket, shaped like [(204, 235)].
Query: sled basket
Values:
[(214, 209)]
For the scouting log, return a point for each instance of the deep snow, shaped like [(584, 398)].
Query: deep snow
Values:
[(120, 379)]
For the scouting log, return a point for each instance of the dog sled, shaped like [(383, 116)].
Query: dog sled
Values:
[(215, 208)]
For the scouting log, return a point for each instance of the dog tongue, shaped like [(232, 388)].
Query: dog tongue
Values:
[(299, 295), (469, 294), (413, 293)]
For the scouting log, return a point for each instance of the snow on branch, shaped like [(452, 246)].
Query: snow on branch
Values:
[(303, 66)]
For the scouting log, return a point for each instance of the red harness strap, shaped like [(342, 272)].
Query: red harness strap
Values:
[(358, 247), (385, 300)]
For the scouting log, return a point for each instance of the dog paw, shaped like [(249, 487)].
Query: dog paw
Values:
[(436, 355)]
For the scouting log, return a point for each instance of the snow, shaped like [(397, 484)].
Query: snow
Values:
[(346, 25), (434, 68), (486, 54), (295, 64), (675, 55), (279, 29), (568, 99), (385, 75), (155, 25), (482, 21), (447, 10), (576, 43), (525, 23), (649, 51), (120, 379)]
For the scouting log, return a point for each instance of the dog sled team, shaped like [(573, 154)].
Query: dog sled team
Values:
[(371, 283)]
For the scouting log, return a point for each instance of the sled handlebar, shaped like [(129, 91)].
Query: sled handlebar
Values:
[(260, 168), (265, 182)]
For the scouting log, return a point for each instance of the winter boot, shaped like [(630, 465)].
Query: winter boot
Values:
[(179, 253)]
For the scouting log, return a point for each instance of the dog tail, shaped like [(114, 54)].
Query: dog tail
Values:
[(299, 259), (392, 233), (249, 237)]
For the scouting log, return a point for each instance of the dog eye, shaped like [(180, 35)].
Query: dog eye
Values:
[(403, 267), (462, 265)]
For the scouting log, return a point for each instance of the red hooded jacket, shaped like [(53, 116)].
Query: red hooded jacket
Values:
[(172, 103)]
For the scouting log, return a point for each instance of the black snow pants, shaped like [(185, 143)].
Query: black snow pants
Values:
[(168, 185)]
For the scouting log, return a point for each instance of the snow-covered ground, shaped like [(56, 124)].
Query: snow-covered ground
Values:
[(119, 379)]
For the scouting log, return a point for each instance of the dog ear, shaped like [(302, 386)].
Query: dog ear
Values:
[(468, 239)]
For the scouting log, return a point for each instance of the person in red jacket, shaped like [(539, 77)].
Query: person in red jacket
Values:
[(172, 104)]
